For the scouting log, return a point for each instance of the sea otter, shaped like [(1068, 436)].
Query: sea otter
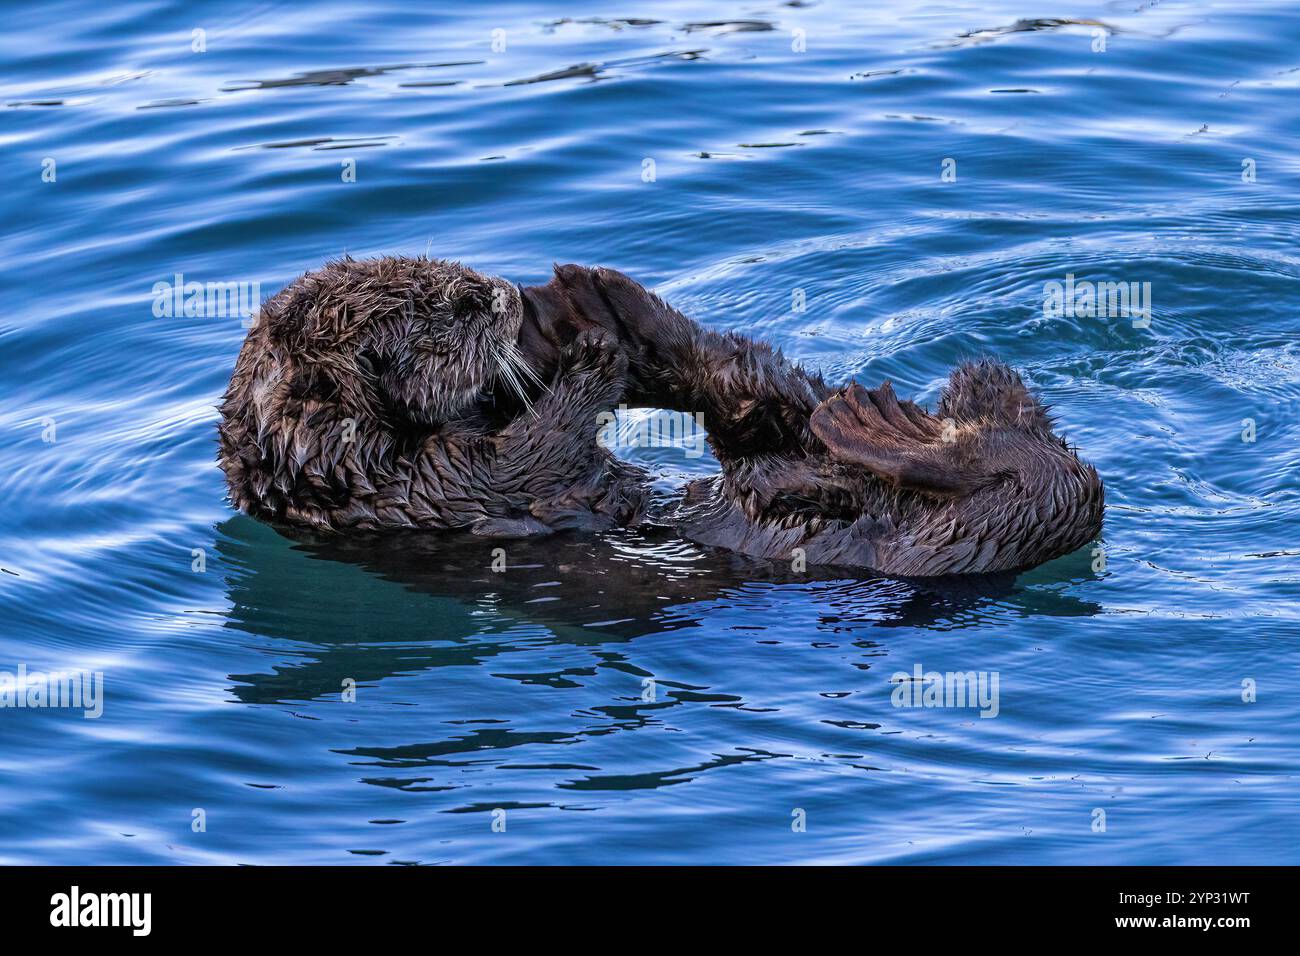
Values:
[(433, 367)]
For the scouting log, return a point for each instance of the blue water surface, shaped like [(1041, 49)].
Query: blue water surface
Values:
[(921, 171)]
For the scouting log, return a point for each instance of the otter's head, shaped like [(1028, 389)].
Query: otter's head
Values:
[(348, 358), (420, 339), (983, 485)]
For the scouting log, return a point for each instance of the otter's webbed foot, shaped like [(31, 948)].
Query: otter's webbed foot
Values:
[(557, 439), (551, 456), (590, 379), (593, 363)]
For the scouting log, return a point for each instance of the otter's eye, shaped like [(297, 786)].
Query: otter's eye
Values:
[(471, 302), (369, 362)]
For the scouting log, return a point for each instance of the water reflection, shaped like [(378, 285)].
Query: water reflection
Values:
[(403, 604)]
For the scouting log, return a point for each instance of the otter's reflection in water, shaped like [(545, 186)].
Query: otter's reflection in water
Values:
[(469, 678), (455, 592)]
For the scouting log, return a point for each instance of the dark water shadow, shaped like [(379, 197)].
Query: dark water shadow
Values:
[(342, 76), (615, 23), (607, 69), (1028, 25)]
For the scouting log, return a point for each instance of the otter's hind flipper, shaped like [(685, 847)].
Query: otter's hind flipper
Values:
[(897, 441)]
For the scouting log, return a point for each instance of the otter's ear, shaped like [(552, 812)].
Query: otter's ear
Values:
[(897, 441), (469, 296)]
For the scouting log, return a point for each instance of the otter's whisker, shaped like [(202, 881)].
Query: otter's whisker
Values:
[(512, 352), (519, 370), (507, 372)]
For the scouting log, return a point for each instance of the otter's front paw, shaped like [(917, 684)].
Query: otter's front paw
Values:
[(595, 353)]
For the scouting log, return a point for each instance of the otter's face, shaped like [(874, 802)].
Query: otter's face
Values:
[(439, 357), (986, 484), (418, 339)]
